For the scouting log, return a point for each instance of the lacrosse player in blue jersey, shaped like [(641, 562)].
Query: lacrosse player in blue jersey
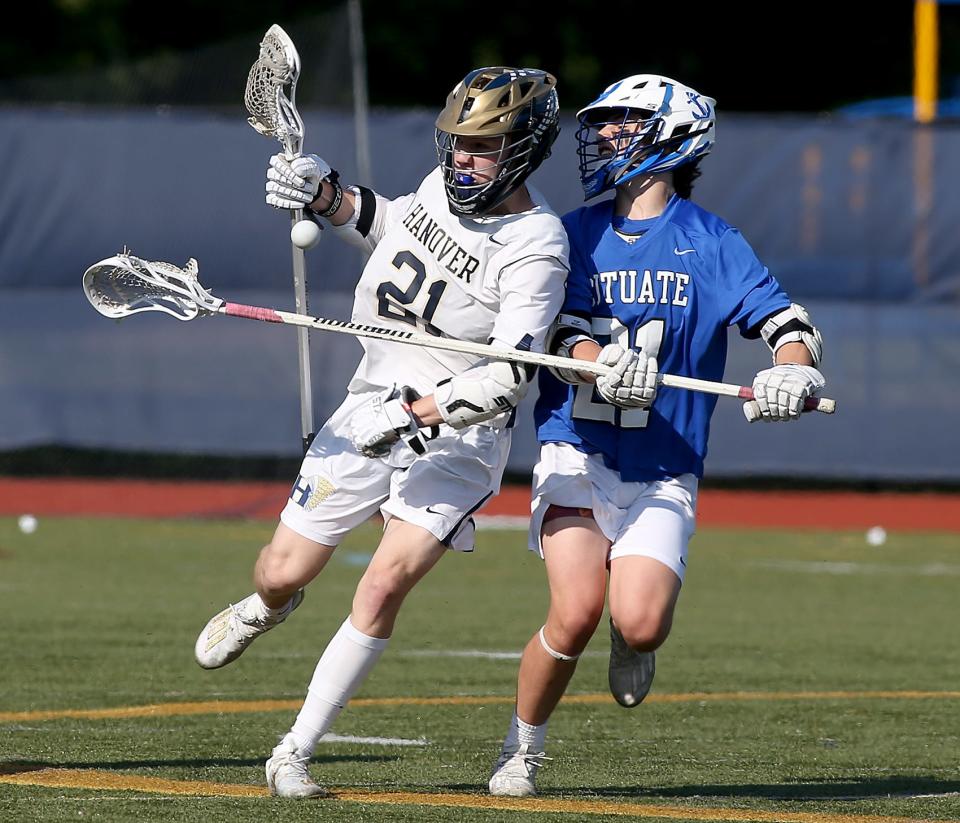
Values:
[(655, 281)]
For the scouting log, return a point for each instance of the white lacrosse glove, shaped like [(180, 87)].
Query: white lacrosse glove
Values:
[(293, 184), (378, 424), (779, 393), (632, 384)]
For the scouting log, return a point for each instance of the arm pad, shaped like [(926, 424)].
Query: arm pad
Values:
[(482, 393), (792, 325), (564, 334)]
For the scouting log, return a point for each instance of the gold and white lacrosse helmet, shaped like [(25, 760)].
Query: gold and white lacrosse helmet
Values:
[(517, 105)]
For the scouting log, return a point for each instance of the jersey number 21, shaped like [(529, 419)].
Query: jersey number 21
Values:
[(647, 338)]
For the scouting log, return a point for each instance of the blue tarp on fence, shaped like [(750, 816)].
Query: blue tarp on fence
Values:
[(856, 218)]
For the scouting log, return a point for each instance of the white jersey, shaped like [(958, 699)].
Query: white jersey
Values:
[(482, 280)]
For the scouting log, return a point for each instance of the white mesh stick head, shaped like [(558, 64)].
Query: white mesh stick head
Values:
[(272, 111), (123, 285)]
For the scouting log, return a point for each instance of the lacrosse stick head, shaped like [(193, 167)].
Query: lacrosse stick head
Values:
[(123, 285), (273, 110)]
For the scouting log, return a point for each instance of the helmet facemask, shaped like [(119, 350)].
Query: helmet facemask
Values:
[(613, 142), (475, 185), (509, 116)]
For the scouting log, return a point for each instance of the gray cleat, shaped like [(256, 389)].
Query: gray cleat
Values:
[(631, 672)]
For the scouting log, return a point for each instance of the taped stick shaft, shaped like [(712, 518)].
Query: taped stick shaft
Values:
[(821, 404)]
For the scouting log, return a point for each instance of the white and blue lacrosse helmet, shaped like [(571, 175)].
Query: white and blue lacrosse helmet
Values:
[(662, 124)]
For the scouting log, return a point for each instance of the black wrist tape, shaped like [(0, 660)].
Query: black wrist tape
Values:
[(334, 206)]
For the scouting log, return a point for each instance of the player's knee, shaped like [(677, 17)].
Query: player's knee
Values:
[(275, 573), (644, 631), (571, 630), (379, 594)]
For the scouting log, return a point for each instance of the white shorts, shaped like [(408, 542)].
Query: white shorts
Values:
[(338, 488), (653, 519)]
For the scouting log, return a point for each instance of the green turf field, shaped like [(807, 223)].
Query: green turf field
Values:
[(101, 614)]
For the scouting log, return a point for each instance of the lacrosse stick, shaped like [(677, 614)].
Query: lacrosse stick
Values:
[(123, 285), (274, 114)]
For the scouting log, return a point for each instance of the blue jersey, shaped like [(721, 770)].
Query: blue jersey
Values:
[(671, 289)]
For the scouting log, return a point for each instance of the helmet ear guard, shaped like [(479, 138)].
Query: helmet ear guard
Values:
[(517, 105)]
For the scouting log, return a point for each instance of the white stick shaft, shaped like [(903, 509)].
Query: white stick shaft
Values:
[(483, 350), (676, 381), (307, 426), (307, 422)]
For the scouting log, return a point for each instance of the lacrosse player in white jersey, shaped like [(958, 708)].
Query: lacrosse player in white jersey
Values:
[(423, 435)]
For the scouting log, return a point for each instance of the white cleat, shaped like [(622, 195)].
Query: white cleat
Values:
[(515, 773), (227, 634), (631, 672), (287, 774)]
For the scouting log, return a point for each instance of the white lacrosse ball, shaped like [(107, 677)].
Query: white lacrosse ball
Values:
[(27, 523), (876, 536), (305, 234)]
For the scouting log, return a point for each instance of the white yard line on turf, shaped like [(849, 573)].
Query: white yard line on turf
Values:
[(833, 567), (376, 741), (478, 653)]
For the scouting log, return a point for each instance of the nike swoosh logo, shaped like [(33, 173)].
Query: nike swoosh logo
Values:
[(679, 253), (433, 511)]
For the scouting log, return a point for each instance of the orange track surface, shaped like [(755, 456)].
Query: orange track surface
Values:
[(263, 501)]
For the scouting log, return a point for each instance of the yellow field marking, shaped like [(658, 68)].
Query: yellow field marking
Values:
[(92, 779), (251, 706), (155, 710)]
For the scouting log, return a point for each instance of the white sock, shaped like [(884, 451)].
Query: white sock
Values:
[(348, 659), (520, 733), (267, 613)]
